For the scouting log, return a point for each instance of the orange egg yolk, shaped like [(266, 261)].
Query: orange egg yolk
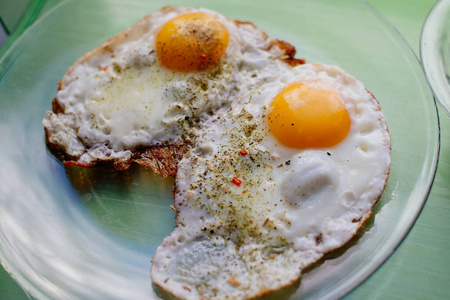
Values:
[(303, 116), (191, 42)]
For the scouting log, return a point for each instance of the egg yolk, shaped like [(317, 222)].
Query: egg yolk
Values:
[(191, 42), (303, 116)]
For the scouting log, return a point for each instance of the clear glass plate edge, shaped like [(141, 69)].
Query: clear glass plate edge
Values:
[(6, 60), (427, 173)]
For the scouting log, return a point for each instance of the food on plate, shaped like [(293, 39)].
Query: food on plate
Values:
[(277, 162), (146, 90), (256, 204)]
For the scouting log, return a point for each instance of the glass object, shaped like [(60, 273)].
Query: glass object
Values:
[(77, 233), (435, 52), (16, 16)]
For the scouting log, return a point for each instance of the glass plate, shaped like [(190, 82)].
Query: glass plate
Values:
[(435, 52), (74, 233)]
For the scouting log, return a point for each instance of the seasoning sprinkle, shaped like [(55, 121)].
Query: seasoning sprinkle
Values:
[(236, 181)]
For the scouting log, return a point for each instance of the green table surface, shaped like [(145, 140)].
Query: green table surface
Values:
[(420, 267)]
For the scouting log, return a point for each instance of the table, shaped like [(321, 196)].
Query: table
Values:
[(420, 267)]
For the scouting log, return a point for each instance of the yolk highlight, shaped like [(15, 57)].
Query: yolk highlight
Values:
[(191, 42), (306, 117)]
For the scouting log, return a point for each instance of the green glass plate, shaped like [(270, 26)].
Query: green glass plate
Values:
[(74, 233)]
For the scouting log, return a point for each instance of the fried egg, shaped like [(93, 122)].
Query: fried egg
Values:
[(273, 184), (152, 84), (285, 159)]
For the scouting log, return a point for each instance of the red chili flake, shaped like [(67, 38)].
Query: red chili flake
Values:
[(203, 56), (243, 152), (105, 68), (236, 181)]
